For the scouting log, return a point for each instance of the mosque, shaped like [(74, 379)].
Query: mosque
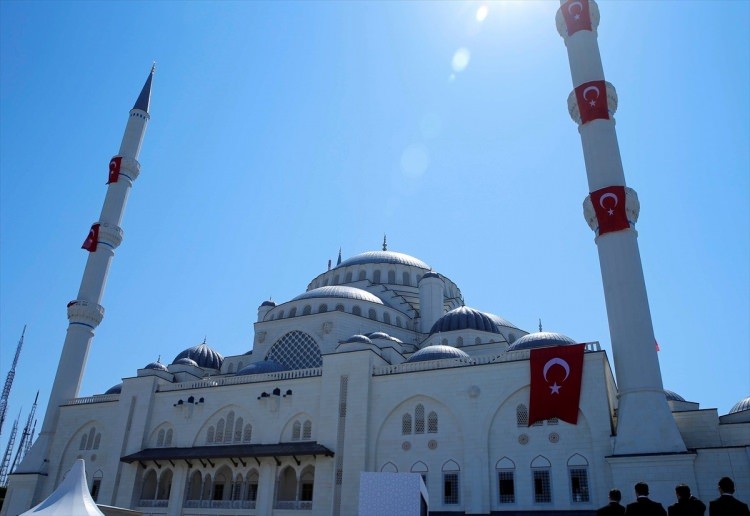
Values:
[(379, 365)]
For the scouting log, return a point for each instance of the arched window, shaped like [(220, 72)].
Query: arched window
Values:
[(348, 277), (419, 419), (210, 435), (168, 439), (160, 439), (540, 470), (376, 277), (389, 467), (392, 277), (230, 427), (251, 493), (247, 435), (220, 431), (194, 486), (371, 314), (578, 470), (148, 488), (307, 310), (90, 440), (398, 322), (323, 308), (432, 423), (356, 310), (405, 279), (238, 430), (96, 484), (97, 439), (522, 415), (83, 442), (307, 482), (165, 485), (451, 483), (506, 484), (281, 315), (460, 342), (222, 485), (406, 424), (296, 427), (237, 487), (336, 279), (293, 311), (307, 430), (477, 340), (386, 318), (339, 308), (362, 275), (207, 488), (287, 490), (421, 468)]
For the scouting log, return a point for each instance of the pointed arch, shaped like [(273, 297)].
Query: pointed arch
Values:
[(165, 485), (419, 419), (307, 430), (432, 422), (148, 487), (406, 424), (194, 485), (389, 467), (287, 485), (577, 460), (540, 461)]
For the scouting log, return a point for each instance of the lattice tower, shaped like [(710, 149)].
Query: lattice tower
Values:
[(23, 446), (8, 452), (9, 382)]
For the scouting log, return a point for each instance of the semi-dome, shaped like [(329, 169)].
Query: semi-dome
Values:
[(340, 292), (203, 356), (265, 366), (157, 366), (268, 303), (673, 396), (741, 406), (185, 361), (436, 352), (541, 339), (465, 318), (115, 389), (361, 339), (384, 257)]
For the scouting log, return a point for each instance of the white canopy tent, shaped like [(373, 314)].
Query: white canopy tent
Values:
[(71, 497)]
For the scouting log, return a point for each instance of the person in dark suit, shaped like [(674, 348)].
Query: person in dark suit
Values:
[(686, 505), (727, 504), (643, 506), (613, 508)]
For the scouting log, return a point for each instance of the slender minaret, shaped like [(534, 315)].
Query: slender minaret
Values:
[(612, 210), (86, 312)]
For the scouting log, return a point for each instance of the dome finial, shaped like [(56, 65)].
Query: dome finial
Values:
[(158, 359), (540, 324), (338, 262), (385, 243), (204, 339)]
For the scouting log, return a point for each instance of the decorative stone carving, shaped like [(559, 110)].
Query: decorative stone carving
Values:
[(562, 28), (575, 114), (523, 439), (406, 446), (432, 444), (632, 209), (260, 336), (327, 327), (84, 312), (110, 234), (554, 437)]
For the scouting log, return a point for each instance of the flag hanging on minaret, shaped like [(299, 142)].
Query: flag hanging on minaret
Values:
[(556, 376), (92, 240), (609, 206), (114, 169), (592, 101), (577, 15)]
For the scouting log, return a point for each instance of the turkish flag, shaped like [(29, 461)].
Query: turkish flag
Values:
[(556, 374), (577, 15), (592, 101), (609, 206), (114, 169), (92, 239)]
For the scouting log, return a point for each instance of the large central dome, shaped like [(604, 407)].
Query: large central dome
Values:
[(384, 257)]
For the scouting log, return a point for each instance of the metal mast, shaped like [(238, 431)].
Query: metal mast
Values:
[(9, 381), (23, 446), (8, 452)]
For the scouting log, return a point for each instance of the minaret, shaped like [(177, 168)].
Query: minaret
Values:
[(611, 210), (86, 312)]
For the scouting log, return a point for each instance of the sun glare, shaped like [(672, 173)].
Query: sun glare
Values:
[(482, 13)]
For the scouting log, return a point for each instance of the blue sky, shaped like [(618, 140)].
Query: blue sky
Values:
[(282, 131)]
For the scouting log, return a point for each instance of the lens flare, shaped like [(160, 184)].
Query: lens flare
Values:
[(461, 59), (482, 13)]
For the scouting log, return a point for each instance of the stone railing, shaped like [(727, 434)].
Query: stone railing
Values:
[(99, 398), (293, 505), (219, 504), (237, 380), (153, 503), (448, 363)]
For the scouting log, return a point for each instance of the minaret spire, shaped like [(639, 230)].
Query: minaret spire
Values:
[(611, 210), (338, 262), (85, 312), (385, 243)]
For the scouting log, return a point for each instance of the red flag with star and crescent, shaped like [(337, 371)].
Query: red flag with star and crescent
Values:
[(556, 375), (92, 240), (114, 169), (609, 206), (592, 101), (577, 15)]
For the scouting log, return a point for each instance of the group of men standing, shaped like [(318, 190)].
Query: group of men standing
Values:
[(687, 505)]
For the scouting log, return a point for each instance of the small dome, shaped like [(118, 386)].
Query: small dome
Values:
[(431, 274), (265, 366), (378, 335), (464, 318), (741, 406), (541, 339), (115, 389), (436, 352), (268, 303), (357, 338), (157, 366), (186, 361), (341, 292), (203, 356), (384, 257), (673, 396)]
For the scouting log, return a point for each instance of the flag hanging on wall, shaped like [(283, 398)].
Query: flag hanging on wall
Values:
[(556, 375)]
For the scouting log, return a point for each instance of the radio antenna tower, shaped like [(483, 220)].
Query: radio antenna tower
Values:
[(23, 446), (9, 382), (8, 452)]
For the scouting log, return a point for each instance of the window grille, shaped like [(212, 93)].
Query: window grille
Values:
[(392, 277), (306, 310), (348, 277), (372, 314), (432, 423), (405, 279), (419, 419), (579, 484), (252, 487), (296, 350), (357, 310), (292, 312), (460, 342), (307, 430), (83, 442), (238, 430), (398, 322), (542, 486), (339, 308), (160, 439), (406, 424), (450, 488), (362, 275), (387, 318), (90, 440), (210, 435), (168, 439), (506, 486), (97, 439), (522, 415), (248, 433), (219, 437), (477, 340), (553, 421), (230, 427), (376, 277), (296, 430), (323, 308)]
